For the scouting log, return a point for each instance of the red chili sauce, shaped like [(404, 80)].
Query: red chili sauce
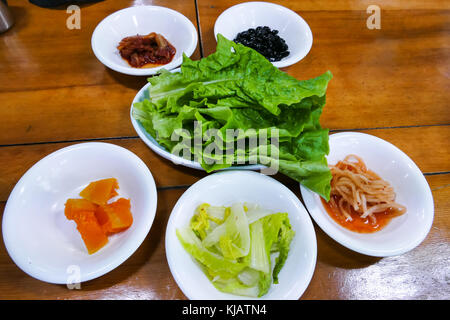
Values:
[(358, 224)]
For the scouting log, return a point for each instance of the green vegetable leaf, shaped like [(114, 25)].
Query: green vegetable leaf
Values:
[(237, 89), (238, 257)]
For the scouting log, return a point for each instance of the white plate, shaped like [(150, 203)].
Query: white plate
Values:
[(160, 150), (142, 20), (292, 28), (403, 233), (38, 236), (226, 188)]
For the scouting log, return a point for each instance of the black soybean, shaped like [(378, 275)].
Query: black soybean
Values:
[(265, 41)]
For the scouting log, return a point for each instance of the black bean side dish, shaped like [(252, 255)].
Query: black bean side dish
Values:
[(265, 41)]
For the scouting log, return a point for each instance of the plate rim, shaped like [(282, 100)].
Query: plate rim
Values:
[(314, 210), (143, 71), (31, 271), (284, 62), (303, 212)]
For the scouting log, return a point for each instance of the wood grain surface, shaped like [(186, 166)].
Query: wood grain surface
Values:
[(53, 88), (392, 83)]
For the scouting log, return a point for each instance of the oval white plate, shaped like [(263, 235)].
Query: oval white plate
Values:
[(160, 150), (292, 28), (403, 233), (47, 246), (226, 188), (142, 20)]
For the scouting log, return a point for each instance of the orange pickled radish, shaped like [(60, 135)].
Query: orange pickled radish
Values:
[(90, 230), (116, 216), (74, 206), (100, 191), (95, 218)]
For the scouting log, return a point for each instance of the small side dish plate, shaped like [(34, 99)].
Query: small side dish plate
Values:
[(226, 188), (44, 243), (292, 28), (403, 233), (142, 20)]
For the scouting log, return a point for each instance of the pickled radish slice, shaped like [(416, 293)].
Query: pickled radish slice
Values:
[(90, 230), (116, 216), (100, 191)]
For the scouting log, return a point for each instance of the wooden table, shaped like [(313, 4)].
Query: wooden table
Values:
[(391, 82)]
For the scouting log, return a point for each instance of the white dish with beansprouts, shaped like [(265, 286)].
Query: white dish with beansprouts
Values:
[(380, 203)]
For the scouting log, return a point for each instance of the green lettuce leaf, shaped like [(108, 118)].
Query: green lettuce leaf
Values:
[(237, 88)]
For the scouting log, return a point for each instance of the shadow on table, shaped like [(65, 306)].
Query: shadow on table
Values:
[(63, 6), (334, 254), (131, 82)]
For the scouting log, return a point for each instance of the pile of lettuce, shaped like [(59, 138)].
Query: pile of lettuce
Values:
[(237, 88), (241, 248)]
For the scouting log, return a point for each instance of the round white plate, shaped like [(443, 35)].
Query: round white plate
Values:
[(292, 28), (226, 188), (160, 150), (142, 20), (403, 233), (44, 243)]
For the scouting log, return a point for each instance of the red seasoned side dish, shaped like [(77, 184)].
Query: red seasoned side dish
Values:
[(146, 51)]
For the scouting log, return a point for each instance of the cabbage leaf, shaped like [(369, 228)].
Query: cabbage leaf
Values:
[(238, 257), (237, 88)]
